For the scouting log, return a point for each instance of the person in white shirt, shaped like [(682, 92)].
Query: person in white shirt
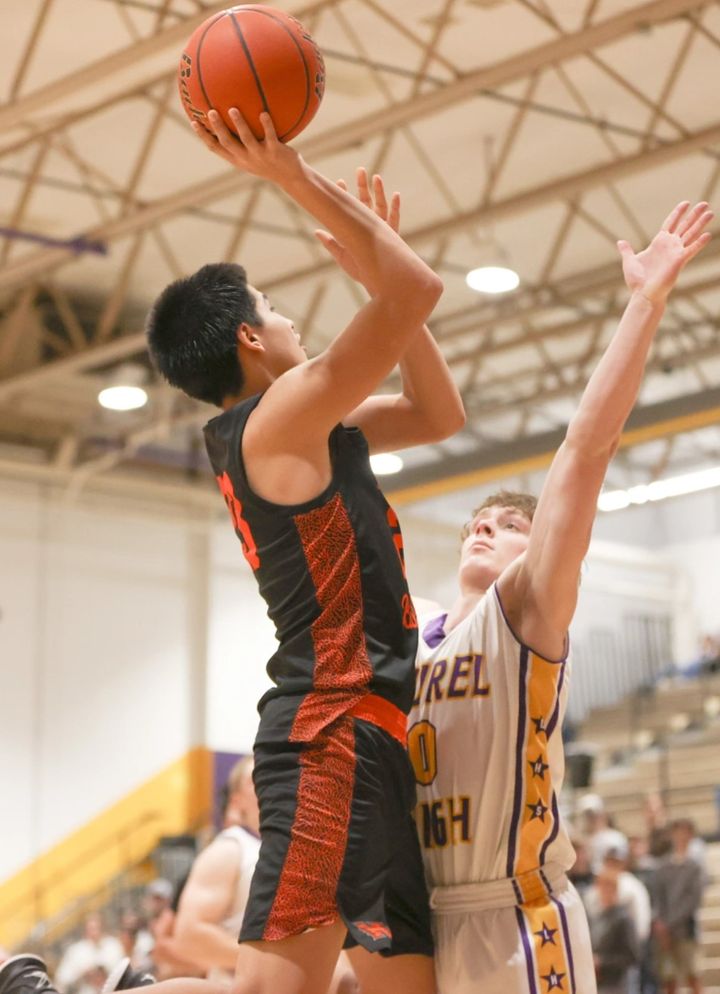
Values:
[(492, 683)]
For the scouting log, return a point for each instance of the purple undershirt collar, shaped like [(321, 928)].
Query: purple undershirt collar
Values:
[(434, 631)]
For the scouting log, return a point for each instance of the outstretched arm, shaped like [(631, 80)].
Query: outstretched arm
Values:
[(539, 591)]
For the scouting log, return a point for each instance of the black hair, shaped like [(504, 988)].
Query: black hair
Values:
[(192, 331)]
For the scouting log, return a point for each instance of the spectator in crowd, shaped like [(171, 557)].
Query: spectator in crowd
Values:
[(95, 950), (595, 827), (659, 833), (677, 892), (707, 659), (633, 897), (612, 932)]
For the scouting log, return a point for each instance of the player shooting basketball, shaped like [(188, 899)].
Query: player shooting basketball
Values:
[(492, 684), (339, 855)]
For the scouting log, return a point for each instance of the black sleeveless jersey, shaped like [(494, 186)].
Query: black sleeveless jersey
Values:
[(332, 573)]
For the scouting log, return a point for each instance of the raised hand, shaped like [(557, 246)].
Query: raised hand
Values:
[(269, 158), (653, 271), (375, 200)]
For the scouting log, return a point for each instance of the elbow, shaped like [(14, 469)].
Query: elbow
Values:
[(414, 292), (433, 288), (444, 423), (453, 421)]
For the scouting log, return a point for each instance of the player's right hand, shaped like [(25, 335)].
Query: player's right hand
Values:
[(269, 159)]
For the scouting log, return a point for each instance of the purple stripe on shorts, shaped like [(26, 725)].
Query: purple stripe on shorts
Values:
[(556, 710), (528, 951), (434, 631), (518, 893), (566, 937), (519, 763), (555, 829)]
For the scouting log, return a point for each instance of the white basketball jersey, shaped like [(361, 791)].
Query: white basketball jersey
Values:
[(484, 739)]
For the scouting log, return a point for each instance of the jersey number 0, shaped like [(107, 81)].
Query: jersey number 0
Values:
[(422, 749)]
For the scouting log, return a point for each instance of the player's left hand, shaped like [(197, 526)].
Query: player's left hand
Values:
[(376, 200), (653, 271)]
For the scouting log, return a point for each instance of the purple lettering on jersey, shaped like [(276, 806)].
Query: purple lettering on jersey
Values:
[(420, 678), (461, 671), (479, 689), (438, 672), (460, 817)]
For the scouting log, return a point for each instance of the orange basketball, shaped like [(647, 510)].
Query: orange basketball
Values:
[(257, 59)]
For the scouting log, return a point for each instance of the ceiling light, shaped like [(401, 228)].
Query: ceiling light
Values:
[(674, 486), (122, 398), (492, 279), (124, 391), (385, 463)]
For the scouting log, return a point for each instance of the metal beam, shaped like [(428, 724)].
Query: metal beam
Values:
[(500, 461), (354, 132), (18, 111)]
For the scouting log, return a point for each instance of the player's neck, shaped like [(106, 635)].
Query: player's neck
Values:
[(464, 604)]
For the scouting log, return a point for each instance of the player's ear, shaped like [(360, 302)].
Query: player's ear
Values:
[(248, 338)]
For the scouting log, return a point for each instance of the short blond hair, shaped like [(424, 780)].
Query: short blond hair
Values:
[(240, 774), (524, 503)]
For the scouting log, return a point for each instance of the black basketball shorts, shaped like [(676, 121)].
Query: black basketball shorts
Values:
[(338, 838)]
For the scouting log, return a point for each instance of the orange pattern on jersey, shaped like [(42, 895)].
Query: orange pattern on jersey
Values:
[(393, 521), (537, 818), (546, 938), (306, 893), (409, 615), (342, 669)]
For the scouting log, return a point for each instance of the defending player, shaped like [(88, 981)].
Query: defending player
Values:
[(492, 683), (339, 853)]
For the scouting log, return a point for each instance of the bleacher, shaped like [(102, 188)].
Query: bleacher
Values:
[(667, 741)]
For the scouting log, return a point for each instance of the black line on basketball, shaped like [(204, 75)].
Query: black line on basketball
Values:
[(253, 70), (199, 66), (308, 85)]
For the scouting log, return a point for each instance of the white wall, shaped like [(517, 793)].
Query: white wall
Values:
[(241, 639), (95, 660)]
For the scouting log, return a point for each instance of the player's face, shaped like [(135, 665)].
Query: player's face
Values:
[(497, 536), (278, 334)]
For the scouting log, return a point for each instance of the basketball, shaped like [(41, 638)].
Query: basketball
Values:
[(257, 59)]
